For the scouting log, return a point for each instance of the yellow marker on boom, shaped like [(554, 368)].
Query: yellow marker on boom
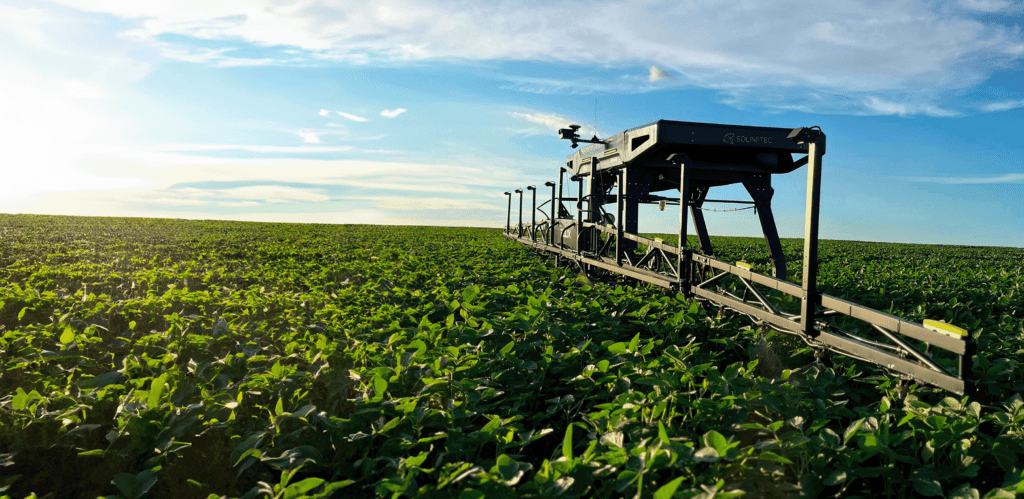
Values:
[(947, 329)]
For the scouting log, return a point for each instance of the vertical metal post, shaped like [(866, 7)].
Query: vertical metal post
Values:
[(508, 219), (810, 270), (618, 217), (551, 222), (519, 228), (579, 206), (533, 214), (683, 261), (558, 212), (592, 191)]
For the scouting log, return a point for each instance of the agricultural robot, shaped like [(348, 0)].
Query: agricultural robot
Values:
[(676, 163)]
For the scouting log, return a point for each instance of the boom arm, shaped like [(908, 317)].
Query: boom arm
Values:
[(692, 157)]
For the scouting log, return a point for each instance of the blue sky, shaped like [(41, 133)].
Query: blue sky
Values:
[(424, 112)]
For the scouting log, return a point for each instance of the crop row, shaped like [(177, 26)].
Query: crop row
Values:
[(191, 359)]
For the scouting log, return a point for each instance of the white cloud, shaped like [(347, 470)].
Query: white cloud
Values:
[(658, 74), (553, 122), (1002, 106), (265, 149), (201, 55), (264, 193), (156, 167), (876, 105), (1006, 178), (312, 136), (82, 90), (24, 25), (388, 113), (324, 112), (362, 216), (351, 117), (309, 136), (434, 204), (987, 6), (849, 49)]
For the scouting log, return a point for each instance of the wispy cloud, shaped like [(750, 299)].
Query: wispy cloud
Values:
[(82, 90), (987, 6), (352, 117), (257, 193), (876, 105), (158, 167), (261, 149), (389, 113), (309, 136), (1002, 106), (202, 55), (432, 204), (325, 113), (1006, 178), (313, 136), (551, 121), (361, 216), (849, 49)]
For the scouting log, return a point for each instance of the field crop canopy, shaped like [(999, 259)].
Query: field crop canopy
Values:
[(169, 358)]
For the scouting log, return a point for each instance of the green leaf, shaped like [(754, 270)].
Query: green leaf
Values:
[(417, 460), (618, 348), (134, 486), (669, 489), (471, 494), (928, 487), (277, 370), (419, 345), (380, 385), (830, 437), (279, 408), (251, 442), (964, 492), (101, 380), (470, 293), (852, 430), (716, 441), (299, 489), (602, 365), (567, 443), (507, 467), (67, 336), (835, 478), (634, 342), (663, 435), (156, 390), (560, 486), (706, 455), (507, 348), (925, 483), (21, 399), (773, 457)]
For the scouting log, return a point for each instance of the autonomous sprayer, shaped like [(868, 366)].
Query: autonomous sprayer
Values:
[(650, 165)]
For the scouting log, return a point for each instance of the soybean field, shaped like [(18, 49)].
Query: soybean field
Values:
[(148, 358)]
